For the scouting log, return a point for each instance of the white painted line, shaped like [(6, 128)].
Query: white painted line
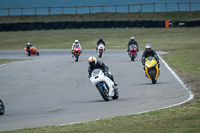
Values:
[(191, 96)]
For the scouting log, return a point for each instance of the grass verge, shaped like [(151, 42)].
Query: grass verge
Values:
[(183, 44), (4, 61)]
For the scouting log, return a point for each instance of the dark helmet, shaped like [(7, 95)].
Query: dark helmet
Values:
[(100, 39), (92, 60), (148, 48)]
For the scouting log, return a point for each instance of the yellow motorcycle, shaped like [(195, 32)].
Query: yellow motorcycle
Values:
[(151, 69)]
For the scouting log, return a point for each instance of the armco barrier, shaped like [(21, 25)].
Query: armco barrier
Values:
[(93, 24)]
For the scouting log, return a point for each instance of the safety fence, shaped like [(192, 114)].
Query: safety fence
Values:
[(27, 26), (146, 7)]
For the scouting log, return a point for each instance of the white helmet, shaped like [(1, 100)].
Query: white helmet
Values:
[(148, 48), (76, 41), (28, 43), (92, 60)]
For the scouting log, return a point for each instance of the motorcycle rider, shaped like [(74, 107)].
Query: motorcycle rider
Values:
[(76, 42), (149, 52), (28, 46), (100, 41), (94, 64), (133, 41)]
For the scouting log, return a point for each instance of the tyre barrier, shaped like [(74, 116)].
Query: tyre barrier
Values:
[(24, 26)]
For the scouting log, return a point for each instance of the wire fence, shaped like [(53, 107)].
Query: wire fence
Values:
[(147, 7)]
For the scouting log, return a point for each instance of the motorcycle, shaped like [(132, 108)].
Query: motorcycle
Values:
[(151, 69), (100, 50), (33, 51), (104, 84), (76, 52), (2, 108), (132, 52)]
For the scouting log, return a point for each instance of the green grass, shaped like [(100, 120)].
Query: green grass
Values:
[(4, 61), (172, 16), (184, 48)]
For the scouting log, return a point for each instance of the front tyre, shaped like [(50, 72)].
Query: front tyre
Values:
[(153, 75), (2, 108), (37, 53), (116, 95), (76, 57), (100, 54), (104, 93)]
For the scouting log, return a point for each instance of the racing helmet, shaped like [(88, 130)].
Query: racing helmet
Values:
[(148, 48), (76, 41), (132, 38), (92, 60), (28, 43), (100, 39)]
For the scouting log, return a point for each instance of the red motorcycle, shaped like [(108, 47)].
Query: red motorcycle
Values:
[(132, 52), (33, 51), (76, 52)]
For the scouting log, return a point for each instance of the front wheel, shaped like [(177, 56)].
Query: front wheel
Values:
[(37, 53), (104, 93), (116, 95), (132, 58), (76, 57), (2, 108), (100, 54), (153, 75)]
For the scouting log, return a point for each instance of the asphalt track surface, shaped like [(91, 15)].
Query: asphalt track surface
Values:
[(53, 89)]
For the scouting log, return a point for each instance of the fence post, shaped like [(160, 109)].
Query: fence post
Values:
[(62, 11), (35, 11), (190, 7), (22, 11), (8, 12), (76, 10), (128, 8), (166, 7), (141, 8), (49, 10), (178, 6), (102, 8), (89, 9), (153, 7), (115, 8)]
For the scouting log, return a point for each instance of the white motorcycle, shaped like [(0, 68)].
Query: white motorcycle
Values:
[(104, 84), (100, 50)]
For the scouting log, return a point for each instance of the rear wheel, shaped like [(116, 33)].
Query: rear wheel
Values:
[(104, 93), (2, 108)]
